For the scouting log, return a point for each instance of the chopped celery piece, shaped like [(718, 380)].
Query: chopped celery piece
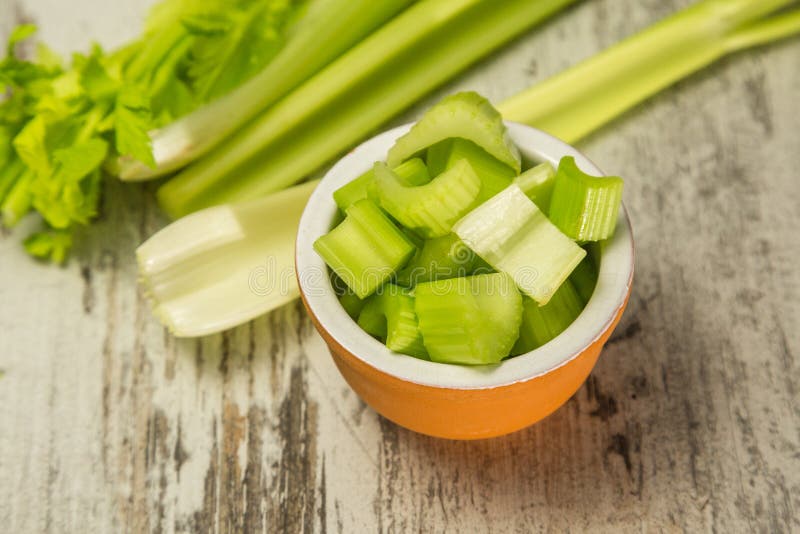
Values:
[(412, 172), (365, 249), (439, 258), (466, 115), (390, 316), (584, 207), (371, 318), (540, 324), (537, 183), (431, 209), (494, 174), (515, 237), (351, 303), (584, 277), (470, 320)]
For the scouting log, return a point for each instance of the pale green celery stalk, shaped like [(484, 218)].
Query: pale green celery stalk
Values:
[(225, 265), (329, 28), (579, 100), (415, 52)]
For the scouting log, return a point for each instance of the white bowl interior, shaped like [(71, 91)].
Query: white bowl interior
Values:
[(614, 278)]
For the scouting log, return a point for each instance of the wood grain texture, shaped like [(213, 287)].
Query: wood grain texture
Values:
[(690, 422)]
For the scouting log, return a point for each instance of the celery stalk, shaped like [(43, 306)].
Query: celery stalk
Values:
[(365, 249), (225, 265), (415, 52), (579, 100), (515, 237), (537, 184), (330, 28), (429, 210)]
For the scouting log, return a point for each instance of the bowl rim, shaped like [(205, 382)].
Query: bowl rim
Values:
[(615, 277)]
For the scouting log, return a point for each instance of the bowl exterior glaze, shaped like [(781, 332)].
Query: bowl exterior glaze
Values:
[(465, 414)]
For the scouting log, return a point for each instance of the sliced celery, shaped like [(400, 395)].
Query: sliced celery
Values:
[(584, 277), (371, 317), (390, 316), (412, 172), (515, 237), (466, 115), (471, 320), (494, 174), (365, 249), (584, 207), (438, 258), (431, 209), (537, 183), (351, 303), (540, 324)]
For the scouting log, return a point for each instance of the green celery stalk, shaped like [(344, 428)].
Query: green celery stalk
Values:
[(330, 28), (415, 52), (579, 100), (219, 268), (365, 249), (584, 207), (412, 172), (494, 174), (472, 320), (515, 237), (537, 184), (429, 210)]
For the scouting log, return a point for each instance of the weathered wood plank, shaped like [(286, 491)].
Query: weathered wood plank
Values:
[(690, 422)]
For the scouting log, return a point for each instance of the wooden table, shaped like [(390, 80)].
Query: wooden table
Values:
[(690, 421)]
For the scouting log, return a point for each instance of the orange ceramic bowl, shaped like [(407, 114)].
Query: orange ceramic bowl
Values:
[(452, 401)]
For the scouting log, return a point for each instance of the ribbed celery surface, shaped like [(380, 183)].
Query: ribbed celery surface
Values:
[(366, 249), (494, 174), (584, 207), (411, 172), (471, 320), (515, 237), (390, 316), (465, 115), (431, 209)]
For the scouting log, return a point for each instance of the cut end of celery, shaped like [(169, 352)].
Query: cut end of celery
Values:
[(515, 237), (463, 115), (217, 268), (365, 249), (584, 207), (431, 209)]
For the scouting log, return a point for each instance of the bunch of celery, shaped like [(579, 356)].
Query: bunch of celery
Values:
[(200, 70), (569, 105)]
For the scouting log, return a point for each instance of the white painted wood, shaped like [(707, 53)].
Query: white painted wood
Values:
[(689, 422)]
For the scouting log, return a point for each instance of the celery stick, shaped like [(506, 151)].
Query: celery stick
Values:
[(390, 316), (579, 100), (584, 207), (430, 210), (464, 115), (473, 320), (540, 324), (365, 249), (537, 184), (218, 268), (411, 172), (415, 52), (584, 277), (494, 174), (438, 259), (329, 28), (515, 237), (371, 318)]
